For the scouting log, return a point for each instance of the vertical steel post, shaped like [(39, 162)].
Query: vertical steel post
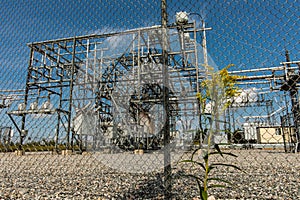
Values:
[(204, 45), (287, 122), (26, 98), (282, 122), (60, 104), (71, 95), (139, 87), (166, 131), (295, 104)]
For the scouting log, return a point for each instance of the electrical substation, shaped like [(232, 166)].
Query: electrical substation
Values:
[(115, 90), (108, 89)]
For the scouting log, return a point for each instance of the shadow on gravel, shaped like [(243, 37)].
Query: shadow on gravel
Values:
[(151, 188)]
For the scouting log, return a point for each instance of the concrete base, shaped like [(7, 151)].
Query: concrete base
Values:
[(66, 152), (86, 153), (19, 152), (139, 151)]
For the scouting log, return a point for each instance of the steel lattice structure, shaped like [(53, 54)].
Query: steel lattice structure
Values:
[(108, 89), (281, 81), (104, 88)]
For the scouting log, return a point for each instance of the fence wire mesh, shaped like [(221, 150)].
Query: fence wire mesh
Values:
[(105, 99)]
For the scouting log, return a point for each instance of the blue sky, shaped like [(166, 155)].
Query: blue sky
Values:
[(249, 34), (23, 22)]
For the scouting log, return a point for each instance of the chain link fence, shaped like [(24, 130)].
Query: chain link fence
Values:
[(105, 99)]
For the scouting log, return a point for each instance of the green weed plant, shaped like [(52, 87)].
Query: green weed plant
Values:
[(218, 89)]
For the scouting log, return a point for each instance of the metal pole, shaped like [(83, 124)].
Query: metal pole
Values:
[(204, 45), (59, 106), (288, 122), (71, 95), (282, 122), (205, 63), (166, 131), (26, 99), (295, 103)]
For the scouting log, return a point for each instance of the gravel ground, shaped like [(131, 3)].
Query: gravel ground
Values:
[(267, 175)]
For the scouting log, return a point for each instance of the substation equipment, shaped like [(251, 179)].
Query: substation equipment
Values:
[(107, 89), (270, 82)]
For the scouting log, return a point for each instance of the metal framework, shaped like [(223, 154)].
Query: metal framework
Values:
[(108, 89), (282, 80)]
